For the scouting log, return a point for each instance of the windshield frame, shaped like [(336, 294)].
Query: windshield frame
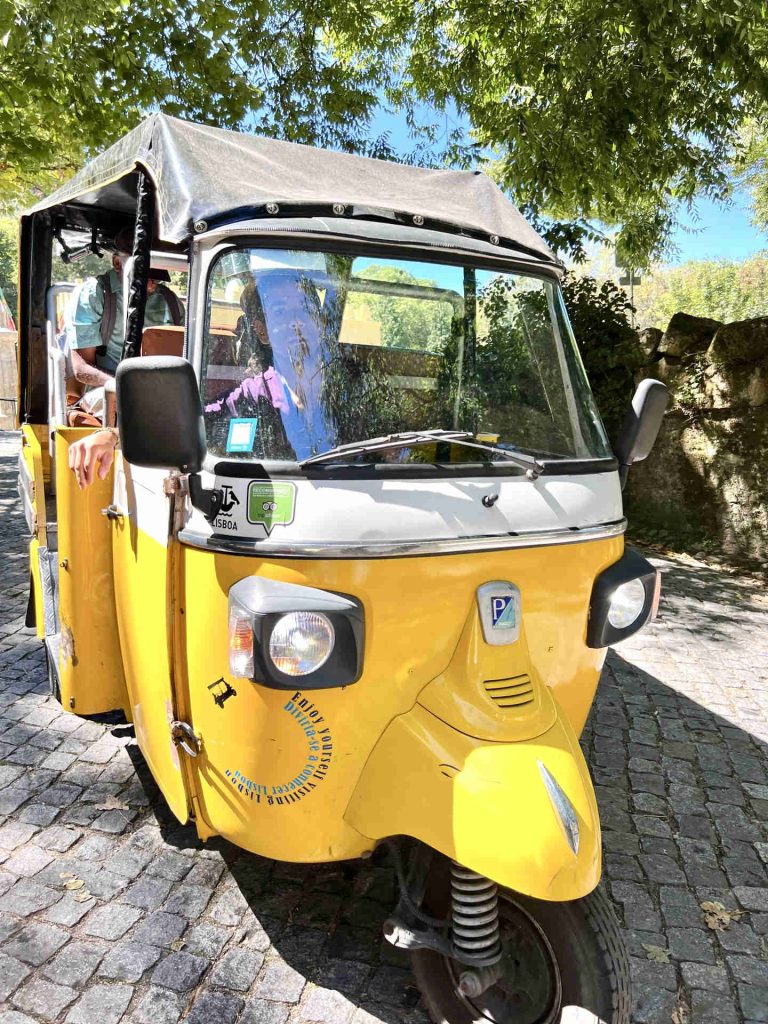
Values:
[(205, 255)]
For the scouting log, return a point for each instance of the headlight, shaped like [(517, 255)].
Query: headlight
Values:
[(627, 603), (281, 632), (624, 598), (301, 642)]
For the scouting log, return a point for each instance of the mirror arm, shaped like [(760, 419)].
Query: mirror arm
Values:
[(207, 502)]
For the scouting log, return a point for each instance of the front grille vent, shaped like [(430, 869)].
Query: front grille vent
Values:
[(510, 693)]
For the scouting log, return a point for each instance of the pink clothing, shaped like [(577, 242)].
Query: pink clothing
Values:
[(267, 385)]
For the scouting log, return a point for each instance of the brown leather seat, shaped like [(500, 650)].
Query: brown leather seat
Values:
[(165, 340)]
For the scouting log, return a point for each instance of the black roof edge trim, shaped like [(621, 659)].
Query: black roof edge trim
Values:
[(293, 210), (426, 253)]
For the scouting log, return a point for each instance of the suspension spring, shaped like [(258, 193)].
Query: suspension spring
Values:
[(474, 918)]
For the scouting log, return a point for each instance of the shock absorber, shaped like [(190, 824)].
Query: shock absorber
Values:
[(474, 918)]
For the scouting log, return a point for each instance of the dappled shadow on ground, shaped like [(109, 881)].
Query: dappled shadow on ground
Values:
[(324, 920)]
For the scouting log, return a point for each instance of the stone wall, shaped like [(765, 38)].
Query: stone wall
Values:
[(706, 482)]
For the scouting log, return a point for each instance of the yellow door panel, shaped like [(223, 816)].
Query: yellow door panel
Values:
[(90, 662), (143, 569), (32, 482)]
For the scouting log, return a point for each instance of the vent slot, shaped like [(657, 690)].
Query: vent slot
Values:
[(515, 692)]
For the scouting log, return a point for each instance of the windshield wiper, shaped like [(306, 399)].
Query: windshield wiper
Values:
[(412, 438)]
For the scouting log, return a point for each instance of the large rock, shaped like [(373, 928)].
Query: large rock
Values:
[(650, 338), (686, 335), (740, 343)]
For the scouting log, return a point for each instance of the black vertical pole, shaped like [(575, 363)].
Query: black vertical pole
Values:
[(142, 252)]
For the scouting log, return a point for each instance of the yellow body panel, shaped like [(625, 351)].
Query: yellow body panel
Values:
[(90, 661), (32, 454), (37, 587), (144, 570), (254, 781), (35, 460), (484, 804), (40, 431)]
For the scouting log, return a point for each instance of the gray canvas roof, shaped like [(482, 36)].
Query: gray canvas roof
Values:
[(202, 173)]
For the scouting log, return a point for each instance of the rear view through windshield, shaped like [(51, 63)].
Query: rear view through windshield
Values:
[(305, 351)]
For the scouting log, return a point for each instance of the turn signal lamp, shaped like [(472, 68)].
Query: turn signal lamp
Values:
[(240, 642)]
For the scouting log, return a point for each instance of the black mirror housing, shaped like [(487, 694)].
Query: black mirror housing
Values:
[(641, 424), (159, 413)]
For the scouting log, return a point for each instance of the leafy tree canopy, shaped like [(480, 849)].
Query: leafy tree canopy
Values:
[(722, 289), (589, 110), (76, 76)]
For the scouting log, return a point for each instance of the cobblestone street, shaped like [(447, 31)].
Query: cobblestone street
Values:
[(174, 930)]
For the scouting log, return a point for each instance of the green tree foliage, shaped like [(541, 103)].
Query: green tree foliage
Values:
[(722, 289), (608, 111), (9, 261), (76, 76), (600, 317), (590, 110), (412, 323)]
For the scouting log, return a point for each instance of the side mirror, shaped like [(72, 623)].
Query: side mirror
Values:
[(641, 425), (159, 413), (160, 419)]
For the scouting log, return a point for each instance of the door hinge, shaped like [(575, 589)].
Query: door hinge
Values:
[(184, 736)]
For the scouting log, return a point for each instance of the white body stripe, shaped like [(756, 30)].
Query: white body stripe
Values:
[(401, 511)]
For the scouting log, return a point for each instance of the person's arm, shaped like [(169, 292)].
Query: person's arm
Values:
[(85, 370), (85, 337), (93, 454)]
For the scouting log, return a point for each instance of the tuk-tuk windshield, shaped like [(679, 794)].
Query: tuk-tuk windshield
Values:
[(304, 351)]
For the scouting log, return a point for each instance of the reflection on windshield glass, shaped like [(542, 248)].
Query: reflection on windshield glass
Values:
[(306, 351)]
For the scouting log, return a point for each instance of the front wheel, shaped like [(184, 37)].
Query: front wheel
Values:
[(563, 963)]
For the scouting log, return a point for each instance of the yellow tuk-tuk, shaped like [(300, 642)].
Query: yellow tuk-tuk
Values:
[(354, 569)]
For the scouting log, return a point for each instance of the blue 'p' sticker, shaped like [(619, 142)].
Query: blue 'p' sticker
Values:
[(241, 435), (503, 612)]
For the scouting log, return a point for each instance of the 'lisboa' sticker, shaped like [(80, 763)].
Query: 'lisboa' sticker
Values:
[(271, 503)]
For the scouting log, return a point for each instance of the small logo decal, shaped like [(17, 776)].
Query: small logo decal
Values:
[(498, 603), (503, 612), (271, 503), (221, 691), (229, 500)]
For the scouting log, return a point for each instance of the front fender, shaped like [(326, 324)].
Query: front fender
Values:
[(485, 805)]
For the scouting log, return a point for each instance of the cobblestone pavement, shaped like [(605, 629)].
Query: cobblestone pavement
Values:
[(174, 930)]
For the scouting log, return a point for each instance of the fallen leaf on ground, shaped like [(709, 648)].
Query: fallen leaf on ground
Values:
[(661, 956), (83, 896), (177, 944), (75, 883), (682, 1015), (717, 917), (66, 874), (111, 803)]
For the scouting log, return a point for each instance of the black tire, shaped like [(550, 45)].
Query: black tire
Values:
[(569, 965)]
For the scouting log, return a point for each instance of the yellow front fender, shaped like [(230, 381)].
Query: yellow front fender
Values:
[(486, 805)]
